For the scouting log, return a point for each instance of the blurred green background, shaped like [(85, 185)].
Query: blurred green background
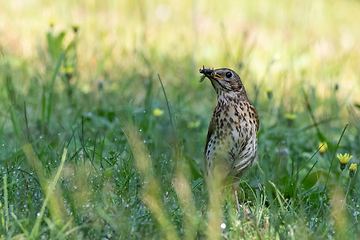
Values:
[(304, 35)]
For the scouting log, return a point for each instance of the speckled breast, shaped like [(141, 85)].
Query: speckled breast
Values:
[(234, 140)]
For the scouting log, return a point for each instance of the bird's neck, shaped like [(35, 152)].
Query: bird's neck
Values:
[(231, 96)]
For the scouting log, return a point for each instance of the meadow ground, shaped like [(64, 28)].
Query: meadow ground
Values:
[(103, 121)]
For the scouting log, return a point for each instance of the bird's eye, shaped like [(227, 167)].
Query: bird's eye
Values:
[(228, 74)]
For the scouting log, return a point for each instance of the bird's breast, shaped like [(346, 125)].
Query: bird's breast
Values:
[(235, 135)]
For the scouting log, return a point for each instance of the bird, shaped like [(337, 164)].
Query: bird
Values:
[(231, 140)]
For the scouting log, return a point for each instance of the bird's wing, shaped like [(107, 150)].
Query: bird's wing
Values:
[(257, 120), (211, 131)]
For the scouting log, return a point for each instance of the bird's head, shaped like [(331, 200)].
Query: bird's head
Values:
[(224, 80)]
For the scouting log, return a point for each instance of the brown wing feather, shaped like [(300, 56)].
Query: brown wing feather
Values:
[(211, 131), (257, 124)]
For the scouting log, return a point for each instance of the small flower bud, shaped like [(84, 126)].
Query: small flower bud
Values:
[(352, 169)]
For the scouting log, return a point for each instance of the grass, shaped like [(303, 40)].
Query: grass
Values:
[(87, 153)]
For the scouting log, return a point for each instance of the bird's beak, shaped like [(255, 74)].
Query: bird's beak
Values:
[(216, 76)]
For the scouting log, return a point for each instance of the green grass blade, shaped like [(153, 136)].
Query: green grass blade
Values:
[(332, 160), (2, 127), (20, 225), (35, 230), (51, 89), (297, 173), (309, 172), (43, 109), (6, 196), (168, 106), (150, 190)]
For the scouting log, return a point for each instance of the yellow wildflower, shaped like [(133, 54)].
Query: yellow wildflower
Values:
[(269, 93), (52, 22), (66, 69), (344, 159), (75, 28), (290, 116), (193, 124), (158, 112), (352, 169), (323, 146)]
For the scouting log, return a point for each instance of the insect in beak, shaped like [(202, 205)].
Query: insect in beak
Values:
[(206, 71)]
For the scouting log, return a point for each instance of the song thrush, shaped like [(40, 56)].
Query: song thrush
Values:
[(232, 136)]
